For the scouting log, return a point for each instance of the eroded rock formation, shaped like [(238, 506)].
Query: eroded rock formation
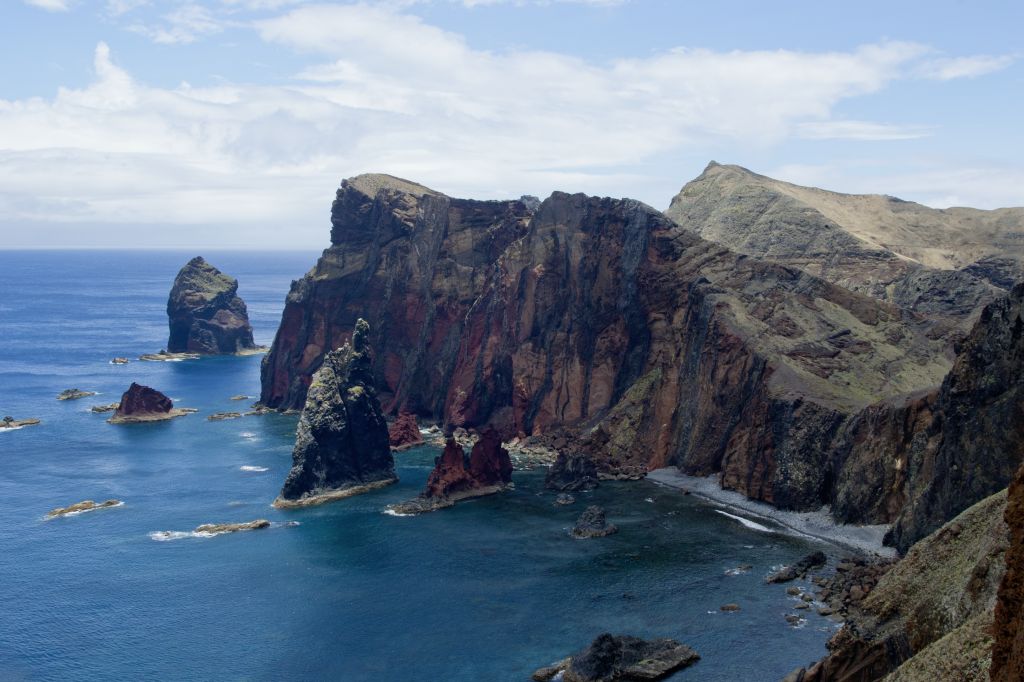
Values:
[(602, 319), (404, 432), (571, 472), (341, 445), (144, 404), (205, 313)]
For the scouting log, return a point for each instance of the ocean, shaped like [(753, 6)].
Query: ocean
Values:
[(488, 590)]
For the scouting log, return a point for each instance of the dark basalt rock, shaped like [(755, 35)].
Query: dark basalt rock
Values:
[(592, 524), (144, 404), (341, 446), (610, 657), (205, 313), (404, 432), (573, 472), (799, 569)]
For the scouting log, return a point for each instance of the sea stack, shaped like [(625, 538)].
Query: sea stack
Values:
[(486, 471), (144, 404), (205, 313), (341, 447)]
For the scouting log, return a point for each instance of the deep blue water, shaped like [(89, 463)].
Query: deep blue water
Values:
[(488, 590)]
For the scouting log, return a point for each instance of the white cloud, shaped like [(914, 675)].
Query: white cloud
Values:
[(859, 130), (387, 92), (965, 67), (185, 24), (49, 5)]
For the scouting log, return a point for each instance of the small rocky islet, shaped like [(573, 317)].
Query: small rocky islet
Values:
[(142, 404), (82, 507), (9, 422), (74, 394)]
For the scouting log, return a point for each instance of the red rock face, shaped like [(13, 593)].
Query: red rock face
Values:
[(142, 400), (602, 320), (487, 465), (1008, 629), (404, 431)]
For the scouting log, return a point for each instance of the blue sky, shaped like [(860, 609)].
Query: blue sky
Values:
[(229, 123)]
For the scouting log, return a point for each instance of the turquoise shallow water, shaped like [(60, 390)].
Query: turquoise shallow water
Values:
[(488, 590)]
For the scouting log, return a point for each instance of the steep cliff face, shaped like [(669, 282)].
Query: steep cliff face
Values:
[(1008, 628), (928, 618), (341, 446), (205, 313), (602, 319), (942, 262)]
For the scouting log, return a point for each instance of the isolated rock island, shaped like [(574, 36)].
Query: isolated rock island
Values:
[(205, 313), (144, 404), (342, 446)]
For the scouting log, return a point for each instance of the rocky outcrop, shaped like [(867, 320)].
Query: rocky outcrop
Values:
[(1008, 626), (74, 394), (221, 528), (573, 472), (936, 600), (12, 423), (82, 507), (592, 524), (144, 404), (205, 313), (404, 432), (101, 409), (948, 262), (341, 446), (601, 320), (610, 657), (455, 477), (798, 569)]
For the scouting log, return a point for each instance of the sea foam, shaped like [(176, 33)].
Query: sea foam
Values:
[(249, 467), (753, 525)]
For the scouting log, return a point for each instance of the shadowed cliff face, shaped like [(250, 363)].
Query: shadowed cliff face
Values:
[(602, 319), (205, 313)]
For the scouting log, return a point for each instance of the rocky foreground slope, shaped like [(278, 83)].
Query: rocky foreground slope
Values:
[(205, 313), (604, 320), (942, 262)]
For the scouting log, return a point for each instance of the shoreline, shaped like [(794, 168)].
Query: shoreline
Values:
[(818, 525)]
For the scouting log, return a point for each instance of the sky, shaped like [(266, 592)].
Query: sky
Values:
[(230, 123)]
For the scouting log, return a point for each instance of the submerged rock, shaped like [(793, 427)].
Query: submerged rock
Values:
[(119, 361), (83, 506), (404, 432), (610, 657), (205, 314), (144, 404), (592, 524), (486, 471), (799, 569), (239, 397), (571, 473), (564, 499), (219, 528), (74, 394), (341, 447), (221, 416)]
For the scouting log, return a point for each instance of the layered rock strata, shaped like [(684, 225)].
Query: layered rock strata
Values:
[(205, 314), (341, 445), (605, 321)]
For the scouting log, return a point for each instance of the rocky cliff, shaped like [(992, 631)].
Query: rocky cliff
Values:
[(205, 313), (946, 262), (604, 320), (341, 446), (928, 618), (1008, 628)]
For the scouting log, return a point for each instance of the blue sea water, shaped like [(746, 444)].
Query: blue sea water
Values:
[(488, 590)]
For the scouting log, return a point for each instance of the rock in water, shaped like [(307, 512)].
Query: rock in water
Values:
[(592, 524), (571, 472), (623, 657), (220, 528), (81, 507), (341, 447), (144, 404), (487, 470), (205, 313), (404, 432), (74, 394), (799, 569)]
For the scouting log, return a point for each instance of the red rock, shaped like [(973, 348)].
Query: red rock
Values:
[(488, 465), (404, 431), (141, 400)]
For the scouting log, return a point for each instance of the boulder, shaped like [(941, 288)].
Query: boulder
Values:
[(623, 657), (573, 472), (592, 524), (799, 569)]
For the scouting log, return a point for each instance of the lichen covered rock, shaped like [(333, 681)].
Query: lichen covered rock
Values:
[(341, 446), (205, 314)]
